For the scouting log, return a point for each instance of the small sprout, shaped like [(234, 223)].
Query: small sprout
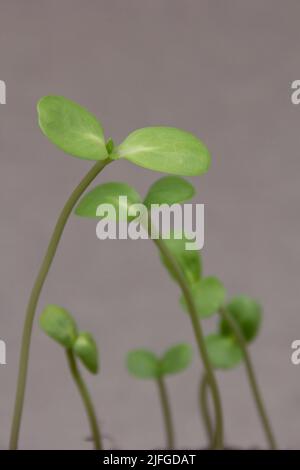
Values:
[(85, 348), (176, 359), (166, 149), (107, 193), (209, 295), (58, 323), (143, 364), (71, 128), (224, 353), (188, 260), (247, 313), (169, 190)]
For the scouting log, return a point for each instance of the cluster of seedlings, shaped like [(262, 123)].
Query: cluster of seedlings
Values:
[(164, 149)]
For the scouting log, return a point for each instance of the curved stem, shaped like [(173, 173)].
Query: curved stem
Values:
[(199, 338), (165, 405), (35, 294), (251, 377), (88, 404), (204, 408)]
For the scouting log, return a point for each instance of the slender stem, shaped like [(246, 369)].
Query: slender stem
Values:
[(196, 324), (165, 405), (86, 398), (35, 294), (251, 377), (204, 408)]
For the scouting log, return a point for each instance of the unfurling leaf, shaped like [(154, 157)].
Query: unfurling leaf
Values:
[(223, 351), (169, 190), (59, 324), (247, 313), (166, 149), (209, 295), (108, 193), (143, 364), (176, 359), (85, 348), (71, 128)]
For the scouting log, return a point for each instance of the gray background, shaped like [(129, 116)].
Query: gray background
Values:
[(221, 69)]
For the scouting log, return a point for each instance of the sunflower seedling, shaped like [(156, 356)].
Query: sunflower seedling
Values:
[(184, 265), (59, 324), (144, 364), (77, 132)]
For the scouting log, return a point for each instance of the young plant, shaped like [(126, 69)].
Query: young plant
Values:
[(59, 324), (145, 364), (240, 318), (240, 322), (77, 132), (185, 270)]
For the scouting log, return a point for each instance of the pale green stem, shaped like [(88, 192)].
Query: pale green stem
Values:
[(88, 404), (251, 377), (204, 408), (35, 294), (199, 338), (165, 405)]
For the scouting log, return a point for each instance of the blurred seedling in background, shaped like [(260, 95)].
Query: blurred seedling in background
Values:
[(59, 324), (240, 320), (204, 296), (77, 132), (184, 265), (144, 364), (226, 353)]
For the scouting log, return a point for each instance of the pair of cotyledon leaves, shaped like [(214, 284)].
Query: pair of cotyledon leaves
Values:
[(59, 324), (144, 364), (78, 132)]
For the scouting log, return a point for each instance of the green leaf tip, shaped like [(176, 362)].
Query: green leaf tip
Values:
[(176, 359), (59, 324), (85, 348), (108, 193), (143, 364), (209, 295), (169, 190), (223, 352), (247, 312), (166, 149), (71, 128)]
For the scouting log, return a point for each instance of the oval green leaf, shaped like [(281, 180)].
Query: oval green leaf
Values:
[(189, 261), (166, 149), (119, 195), (176, 359), (247, 312), (223, 352), (209, 295), (59, 324), (71, 128), (86, 349), (169, 190), (143, 364)]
